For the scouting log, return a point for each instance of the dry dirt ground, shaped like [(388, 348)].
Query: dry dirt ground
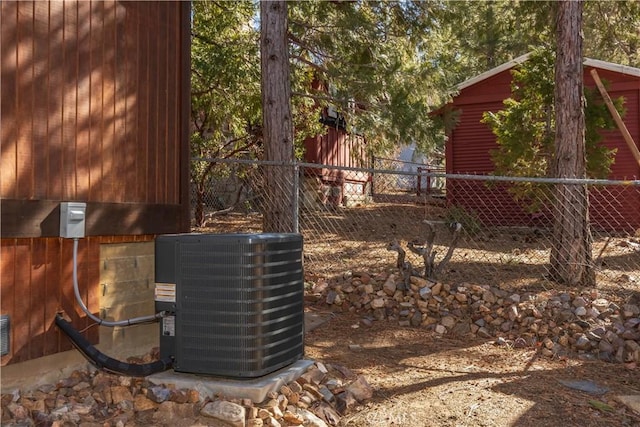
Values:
[(421, 379)]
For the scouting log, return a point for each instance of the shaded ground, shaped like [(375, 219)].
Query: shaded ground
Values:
[(423, 380)]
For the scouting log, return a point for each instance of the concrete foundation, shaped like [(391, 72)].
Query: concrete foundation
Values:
[(255, 389)]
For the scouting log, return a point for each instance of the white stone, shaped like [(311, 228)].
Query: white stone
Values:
[(228, 412), (377, 303)]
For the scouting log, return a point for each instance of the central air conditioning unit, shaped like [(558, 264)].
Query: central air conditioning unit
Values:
[(236, 302)]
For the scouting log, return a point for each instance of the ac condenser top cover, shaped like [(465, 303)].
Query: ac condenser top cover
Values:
[(239, 302)]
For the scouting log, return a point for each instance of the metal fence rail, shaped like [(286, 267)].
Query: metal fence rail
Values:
[(349, 217)]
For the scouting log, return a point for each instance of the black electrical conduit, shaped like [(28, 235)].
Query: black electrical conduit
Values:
[(106, 363)]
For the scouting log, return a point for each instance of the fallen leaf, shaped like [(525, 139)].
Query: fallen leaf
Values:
[(601, 406)]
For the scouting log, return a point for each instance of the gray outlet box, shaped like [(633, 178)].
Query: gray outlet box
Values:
[(72, 219)]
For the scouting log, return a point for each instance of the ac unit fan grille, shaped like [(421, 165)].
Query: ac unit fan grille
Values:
[(239, 303)]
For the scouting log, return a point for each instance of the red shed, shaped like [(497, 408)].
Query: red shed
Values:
[(336, 147), (469, 145)]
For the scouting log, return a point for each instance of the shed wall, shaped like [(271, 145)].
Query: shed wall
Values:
[(470, 143)]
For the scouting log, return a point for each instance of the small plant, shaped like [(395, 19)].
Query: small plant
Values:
[(469, 219)]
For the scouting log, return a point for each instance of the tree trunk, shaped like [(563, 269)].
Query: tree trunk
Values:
[(571, 261), (276, 116)]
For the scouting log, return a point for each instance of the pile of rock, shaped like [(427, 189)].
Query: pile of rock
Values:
[(91, 398), (557, 322)]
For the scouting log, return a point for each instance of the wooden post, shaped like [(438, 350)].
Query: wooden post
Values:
[(616, 116)]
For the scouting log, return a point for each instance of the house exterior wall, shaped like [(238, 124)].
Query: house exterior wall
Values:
[(470, 143), (95, 108)]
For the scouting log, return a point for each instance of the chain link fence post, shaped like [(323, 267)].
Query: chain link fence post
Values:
[(296, 197)]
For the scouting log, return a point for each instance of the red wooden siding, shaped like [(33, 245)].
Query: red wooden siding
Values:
[(495, 88), (336, 148), (37, 284), (470, 143), (90, 96), (95, 108)]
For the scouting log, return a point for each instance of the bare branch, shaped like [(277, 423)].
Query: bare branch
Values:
[(456, 228), (402, 265), (426, 250)]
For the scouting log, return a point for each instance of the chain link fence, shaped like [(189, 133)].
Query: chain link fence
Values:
[(354, 220)]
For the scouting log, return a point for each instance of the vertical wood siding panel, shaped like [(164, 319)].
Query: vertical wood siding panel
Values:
[(37, 321), (119, 153), (52, 285), (184, 111), (164, 162), (8, 100), (67, 298), (109, 174), (81, 98), (41, 88), (344, 148), (173, 145), (95, 105), (25, 97), (143, 103), (83, 283), (152, 118), (70, 100), (93, 285), (7, 289), (83, 101), (20, 321), (130, 51), (55, 100)]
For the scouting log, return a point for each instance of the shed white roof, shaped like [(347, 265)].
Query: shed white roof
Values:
[(595, 63)]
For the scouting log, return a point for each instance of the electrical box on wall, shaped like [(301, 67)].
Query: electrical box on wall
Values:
[(72, 219)]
